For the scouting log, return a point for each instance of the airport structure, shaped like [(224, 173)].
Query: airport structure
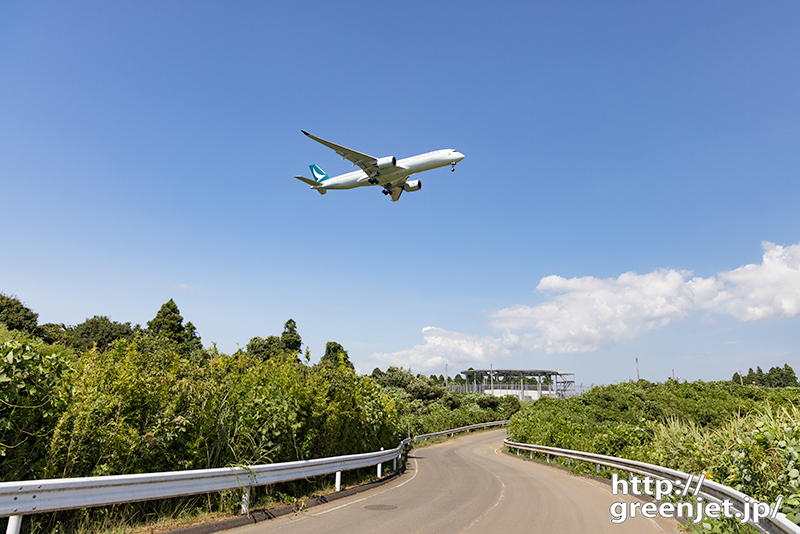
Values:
[(526, 384)]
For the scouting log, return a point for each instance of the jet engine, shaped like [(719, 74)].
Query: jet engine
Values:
[(386, 163), (412, 185)]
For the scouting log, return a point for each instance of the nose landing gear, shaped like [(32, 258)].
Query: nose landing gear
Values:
[(453, 166)]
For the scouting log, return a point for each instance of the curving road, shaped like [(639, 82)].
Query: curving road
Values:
[(468, 485)]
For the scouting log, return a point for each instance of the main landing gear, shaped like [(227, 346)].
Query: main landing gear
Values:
[(386, 191), (373, 181)]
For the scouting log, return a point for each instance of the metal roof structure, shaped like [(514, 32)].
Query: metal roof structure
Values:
[(499, 382), (499, 374)]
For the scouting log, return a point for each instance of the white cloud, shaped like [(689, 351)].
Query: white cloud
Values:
[(444, 346), (586, 313), (182, 287), (766, 290), (589, 312)]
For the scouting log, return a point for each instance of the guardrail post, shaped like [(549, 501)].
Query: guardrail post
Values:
[(598, 467), (14, 524), (379, 470), (548, 457), (338, 480), (394, 465), (246, 501)]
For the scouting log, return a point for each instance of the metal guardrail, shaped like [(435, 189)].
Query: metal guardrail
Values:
[(709, 489), (39, 496), (18, 499), (457, 430)]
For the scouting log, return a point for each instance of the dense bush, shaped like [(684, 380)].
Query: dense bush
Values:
[(30, 403), (103, 398), (424, 406), (746, 437), (129, 410)]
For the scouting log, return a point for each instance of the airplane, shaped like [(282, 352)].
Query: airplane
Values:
[(388, 171)]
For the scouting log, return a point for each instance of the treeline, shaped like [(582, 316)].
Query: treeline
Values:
[(151, 399), (746, 437), (106, 398), (776, 377), (100, 330)]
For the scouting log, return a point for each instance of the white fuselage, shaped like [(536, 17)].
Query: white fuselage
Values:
[(403, 169)]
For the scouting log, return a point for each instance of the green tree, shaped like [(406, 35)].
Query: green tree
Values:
[(789, 377), (776, 377), (335, 353), (53, 333), (264, 349), (750, 378), (290, 339), (168, 323), (396, 377), (100, 330), (15, 315), (773, 378), (192, 339)]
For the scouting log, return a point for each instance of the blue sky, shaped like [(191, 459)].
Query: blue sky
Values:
[(148, 150)]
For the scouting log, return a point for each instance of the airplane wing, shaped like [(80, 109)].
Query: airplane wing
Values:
[(367, 163)]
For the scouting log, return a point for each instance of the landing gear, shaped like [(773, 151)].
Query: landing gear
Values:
[(386, 191), (453, 166), (373, 181)]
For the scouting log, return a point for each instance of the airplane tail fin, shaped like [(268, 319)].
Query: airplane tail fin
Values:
[(318, 174)]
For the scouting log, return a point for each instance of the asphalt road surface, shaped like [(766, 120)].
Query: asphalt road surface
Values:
[(468, 484)]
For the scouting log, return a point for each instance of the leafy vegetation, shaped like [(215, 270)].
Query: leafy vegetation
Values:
[(106, 398), (746, 437), (30, 377), (424, 407)]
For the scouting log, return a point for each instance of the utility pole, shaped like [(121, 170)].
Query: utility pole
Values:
[(445, 376), (637, 368), (491, 379)]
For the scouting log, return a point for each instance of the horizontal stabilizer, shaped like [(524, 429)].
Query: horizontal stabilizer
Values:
[(313, 184), (309, 181)]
